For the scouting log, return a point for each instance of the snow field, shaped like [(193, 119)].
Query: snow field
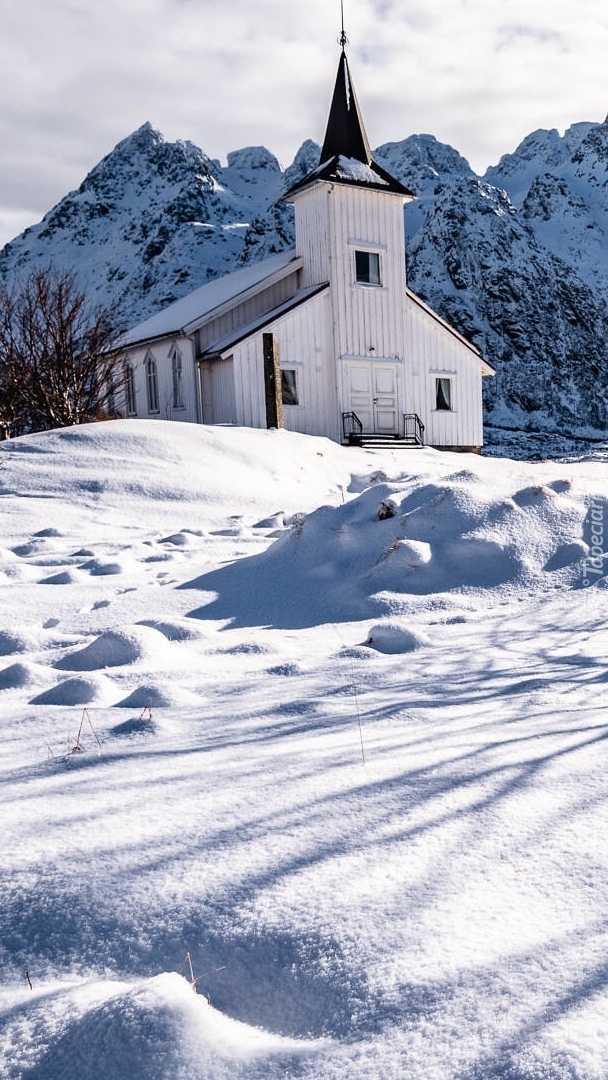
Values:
[(368, 796)]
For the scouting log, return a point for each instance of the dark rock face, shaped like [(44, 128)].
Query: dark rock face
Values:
[(517, 260)]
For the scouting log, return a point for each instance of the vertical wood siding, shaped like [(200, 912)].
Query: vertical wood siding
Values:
[(161, 352), (218, 392), (435, 353), (370, 319), (368, 322), (304, 340), (332, 220), (250, 309)]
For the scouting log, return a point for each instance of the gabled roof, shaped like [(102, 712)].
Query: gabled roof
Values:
[(187, 314), (346, 157)]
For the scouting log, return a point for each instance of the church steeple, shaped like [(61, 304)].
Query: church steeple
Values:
[(346, 157), (345, 134)]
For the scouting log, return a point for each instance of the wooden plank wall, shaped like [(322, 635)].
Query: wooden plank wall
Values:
[(251, 309), (305, 344), (433, 352), (161, 351)]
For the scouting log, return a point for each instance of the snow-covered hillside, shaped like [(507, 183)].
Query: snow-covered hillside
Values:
[(516, 260), (331, 721)]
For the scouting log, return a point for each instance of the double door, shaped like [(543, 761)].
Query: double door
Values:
[(372, 394)]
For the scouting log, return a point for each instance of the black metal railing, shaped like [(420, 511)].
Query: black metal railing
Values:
[(413, 428), (352, 428)]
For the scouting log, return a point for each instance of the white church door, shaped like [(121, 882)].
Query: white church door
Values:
[(372, 395)]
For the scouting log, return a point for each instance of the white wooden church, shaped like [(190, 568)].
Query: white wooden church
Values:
[(325, 340)]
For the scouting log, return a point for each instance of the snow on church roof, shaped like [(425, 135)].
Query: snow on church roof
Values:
[(351, 169), (204, 300)]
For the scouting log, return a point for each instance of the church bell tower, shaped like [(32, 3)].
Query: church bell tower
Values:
[(350, 233)]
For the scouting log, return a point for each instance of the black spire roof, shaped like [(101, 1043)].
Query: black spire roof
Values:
[(346, 157), (345, 132)]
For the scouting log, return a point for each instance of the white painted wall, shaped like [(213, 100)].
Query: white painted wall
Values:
[(434, 352), (161, 352), (218, 391), (246, 311), (333, 221), (304, 338)]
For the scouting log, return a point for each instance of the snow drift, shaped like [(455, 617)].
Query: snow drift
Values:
[(365, 787)]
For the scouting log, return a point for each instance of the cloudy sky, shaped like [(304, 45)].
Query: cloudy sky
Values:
[(77, 77)]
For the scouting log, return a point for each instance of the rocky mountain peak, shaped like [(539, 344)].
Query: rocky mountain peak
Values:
[(306, 159), (421, 159), (253, 158)]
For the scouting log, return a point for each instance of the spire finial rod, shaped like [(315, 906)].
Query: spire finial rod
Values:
[(343, 40)]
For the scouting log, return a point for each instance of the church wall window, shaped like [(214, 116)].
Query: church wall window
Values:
[(289, 387), (131, 400), (178, 381), (443, 394), (152, 384)]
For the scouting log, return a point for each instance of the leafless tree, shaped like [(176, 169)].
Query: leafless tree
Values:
[(58, 363)]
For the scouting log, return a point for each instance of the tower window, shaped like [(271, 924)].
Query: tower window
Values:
[(367, 267), (443, 394)]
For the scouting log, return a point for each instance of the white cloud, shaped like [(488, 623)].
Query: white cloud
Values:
[(76, 78)]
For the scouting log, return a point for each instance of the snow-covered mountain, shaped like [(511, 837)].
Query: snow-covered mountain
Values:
[(151, 221), (517, 260)]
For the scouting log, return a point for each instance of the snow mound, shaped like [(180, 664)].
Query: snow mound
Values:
[(534, 495), (247, 648), (19, 675), (64, 577), (115, 648), (7, 557), (13, 569), (35, 547), (287, 669), (136, 725), (76, 692), (184, 538), (174, 630), (244, 468), (149, 694), (392, 636), (451, 536), (274, 521), (156, 1030), (106, 568), (12, 643)]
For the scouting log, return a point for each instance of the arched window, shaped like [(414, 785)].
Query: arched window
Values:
[(111, 398), (178, 385), (131, 400), (152, 383)]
